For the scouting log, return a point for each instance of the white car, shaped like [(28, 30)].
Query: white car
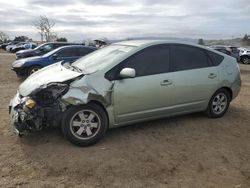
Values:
[(245, 55), (10, 47), (24, 46)]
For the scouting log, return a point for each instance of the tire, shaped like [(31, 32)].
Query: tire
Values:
[(33, 69), (85, 125), (245, 60), (218, 104)]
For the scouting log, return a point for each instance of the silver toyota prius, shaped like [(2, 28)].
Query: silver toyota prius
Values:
[(125, 83)]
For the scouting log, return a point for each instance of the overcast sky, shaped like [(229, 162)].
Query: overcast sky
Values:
[(81, 19)]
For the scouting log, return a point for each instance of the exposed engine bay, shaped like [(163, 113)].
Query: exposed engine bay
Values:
[(41, 108)]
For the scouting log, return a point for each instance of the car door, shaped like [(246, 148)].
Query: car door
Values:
[(193, 76), (147, 94)]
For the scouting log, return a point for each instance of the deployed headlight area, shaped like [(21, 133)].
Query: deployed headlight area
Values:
[(41, 108), (48, 95)]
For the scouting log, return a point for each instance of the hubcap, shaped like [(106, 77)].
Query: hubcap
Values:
[(219, 103), (85, 124)]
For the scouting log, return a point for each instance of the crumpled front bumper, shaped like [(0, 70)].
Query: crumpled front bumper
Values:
[(14, 114)]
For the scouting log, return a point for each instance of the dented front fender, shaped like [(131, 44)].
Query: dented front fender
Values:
[(87, 89)]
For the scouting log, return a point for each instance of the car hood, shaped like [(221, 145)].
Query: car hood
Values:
[(49, 74), (29, 59)]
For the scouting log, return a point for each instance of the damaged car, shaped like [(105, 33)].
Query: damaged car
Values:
[(125, 83)]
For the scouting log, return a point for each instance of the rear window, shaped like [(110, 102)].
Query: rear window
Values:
[(216, 58)]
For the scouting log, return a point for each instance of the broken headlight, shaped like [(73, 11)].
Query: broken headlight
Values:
[(30, 103), (47, 96)]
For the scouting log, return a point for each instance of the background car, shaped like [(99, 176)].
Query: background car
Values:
[(229, 50), (235, 52), (65, 54), (126, 83), (10, 45), (245, 55), (25, 46), (42, 49), (3, 46)]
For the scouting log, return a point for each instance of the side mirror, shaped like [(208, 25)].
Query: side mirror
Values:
[(127, 73)]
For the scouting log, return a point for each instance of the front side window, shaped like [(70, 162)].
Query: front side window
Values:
[(46, 48), (152, 60), (149, 61), (185, 57)]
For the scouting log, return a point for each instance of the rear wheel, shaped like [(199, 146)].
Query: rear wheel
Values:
[(33, 69), (85, 125), (218, 104)]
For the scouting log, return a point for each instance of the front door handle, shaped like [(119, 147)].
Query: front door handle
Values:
[(166, 82), (212, 75)]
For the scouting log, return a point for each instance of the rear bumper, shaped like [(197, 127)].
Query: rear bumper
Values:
[(236, 86)]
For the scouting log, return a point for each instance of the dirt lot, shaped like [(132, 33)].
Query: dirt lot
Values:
[(186, 151)]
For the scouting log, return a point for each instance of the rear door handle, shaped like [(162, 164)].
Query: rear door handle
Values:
[(166, 82), (212, 75)]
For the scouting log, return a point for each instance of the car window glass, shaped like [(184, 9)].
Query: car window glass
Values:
[(46, 48), (216, 58), (26, 46), (59, 45), (152, 60), (186, 57), (68, 52), (83, 51)]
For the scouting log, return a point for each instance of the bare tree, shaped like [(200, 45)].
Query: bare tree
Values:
[(44, 26), (3, 36)]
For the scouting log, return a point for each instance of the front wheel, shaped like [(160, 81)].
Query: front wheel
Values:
[(33, 69), (218, 103), (85, 125), (245, 60)]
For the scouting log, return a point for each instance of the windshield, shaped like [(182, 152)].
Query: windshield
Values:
[(101, 58)]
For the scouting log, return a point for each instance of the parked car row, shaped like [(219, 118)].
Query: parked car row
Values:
[(241, 54), (65, 54), (121, 84), (15, 46)]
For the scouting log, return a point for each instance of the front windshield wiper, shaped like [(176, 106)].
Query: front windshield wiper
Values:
[(72, 67), (76, 68)]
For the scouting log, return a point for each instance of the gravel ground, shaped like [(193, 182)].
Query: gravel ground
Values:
[(185, 151)]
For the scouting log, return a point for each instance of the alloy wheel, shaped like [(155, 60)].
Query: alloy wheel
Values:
[(85, 124), (219, 103)]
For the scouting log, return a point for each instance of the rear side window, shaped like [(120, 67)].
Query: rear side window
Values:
[(185, 57), (84, 51), (68, 52), (152, 60), (57, 45), (216, 58)]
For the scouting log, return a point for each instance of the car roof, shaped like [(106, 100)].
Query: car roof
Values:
[(74, 46), (145, 43)]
